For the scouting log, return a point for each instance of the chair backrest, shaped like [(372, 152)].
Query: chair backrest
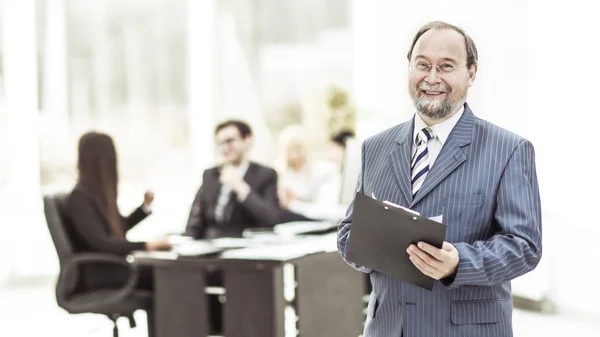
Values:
[(55, 217)]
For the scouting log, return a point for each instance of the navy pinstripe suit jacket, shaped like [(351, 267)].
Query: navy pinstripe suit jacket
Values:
[(484, 184)]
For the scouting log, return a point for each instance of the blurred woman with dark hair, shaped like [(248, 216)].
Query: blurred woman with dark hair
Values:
[(95, 220)]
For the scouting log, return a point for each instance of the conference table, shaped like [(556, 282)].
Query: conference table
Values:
[(279, 284)]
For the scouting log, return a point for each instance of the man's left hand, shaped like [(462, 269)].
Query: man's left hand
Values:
[(434, 262)]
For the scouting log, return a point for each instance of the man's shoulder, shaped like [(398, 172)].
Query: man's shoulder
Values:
[(252, 165), (262, 168), (212, 170), (489, 131), (390, 135)]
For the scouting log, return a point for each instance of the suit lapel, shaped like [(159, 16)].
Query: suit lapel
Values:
[(215, 191), (451, 156), (399, 160), (250, 175)]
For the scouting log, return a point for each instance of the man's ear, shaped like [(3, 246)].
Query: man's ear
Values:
[(248, 140), (472, 75)]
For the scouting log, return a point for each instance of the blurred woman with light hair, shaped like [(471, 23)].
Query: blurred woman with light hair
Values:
[(296, 176), (306, 187)]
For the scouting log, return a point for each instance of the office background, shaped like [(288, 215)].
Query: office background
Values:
[(158, 74)]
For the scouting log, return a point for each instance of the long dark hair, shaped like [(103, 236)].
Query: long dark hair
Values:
[(97, 166)]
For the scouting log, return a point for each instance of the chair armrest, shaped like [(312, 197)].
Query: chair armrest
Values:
[(65, 288), (84, 258)]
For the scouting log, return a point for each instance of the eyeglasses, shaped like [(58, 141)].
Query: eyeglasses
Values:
[(227, 141), (424, 67)]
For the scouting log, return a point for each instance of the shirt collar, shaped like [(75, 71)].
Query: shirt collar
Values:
[(442, 130), (243, 168)]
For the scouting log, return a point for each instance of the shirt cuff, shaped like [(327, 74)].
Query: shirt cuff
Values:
[(146, 209)]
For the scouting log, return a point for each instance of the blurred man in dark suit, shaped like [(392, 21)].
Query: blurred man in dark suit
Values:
[(237, 194)]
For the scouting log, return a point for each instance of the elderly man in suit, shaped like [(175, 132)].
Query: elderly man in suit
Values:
[(478, 176), (236, 195)]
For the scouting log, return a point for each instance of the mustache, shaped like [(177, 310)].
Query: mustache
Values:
[(441, 87)]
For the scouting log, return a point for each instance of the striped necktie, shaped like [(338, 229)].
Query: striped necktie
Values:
[(420, 161)]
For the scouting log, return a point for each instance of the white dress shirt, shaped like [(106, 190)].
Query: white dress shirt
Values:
[(442, 130)]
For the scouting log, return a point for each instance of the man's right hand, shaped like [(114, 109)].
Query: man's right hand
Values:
[(159, 244)]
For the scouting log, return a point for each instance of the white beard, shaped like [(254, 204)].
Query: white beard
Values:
[(436, 108)]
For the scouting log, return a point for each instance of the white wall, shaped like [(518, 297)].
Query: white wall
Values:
[(537, 77), (21, 220), (563, 50), (383, 31), (25, 236)]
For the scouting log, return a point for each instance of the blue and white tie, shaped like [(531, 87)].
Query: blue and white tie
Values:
[(420, 162)]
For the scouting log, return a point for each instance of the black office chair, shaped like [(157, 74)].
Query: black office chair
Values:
[(113, 303)]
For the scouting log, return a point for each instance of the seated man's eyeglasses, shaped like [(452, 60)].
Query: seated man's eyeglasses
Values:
[(227, 141)]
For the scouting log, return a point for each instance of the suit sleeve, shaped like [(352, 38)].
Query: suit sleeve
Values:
[(517, 248), (343, 232), (134, 218), (265, 206), (90, 228), (196, 225)]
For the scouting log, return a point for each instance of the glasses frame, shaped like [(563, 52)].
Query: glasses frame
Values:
[(430, 66)]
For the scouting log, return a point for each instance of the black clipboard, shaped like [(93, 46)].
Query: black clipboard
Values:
[(381, 233)]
